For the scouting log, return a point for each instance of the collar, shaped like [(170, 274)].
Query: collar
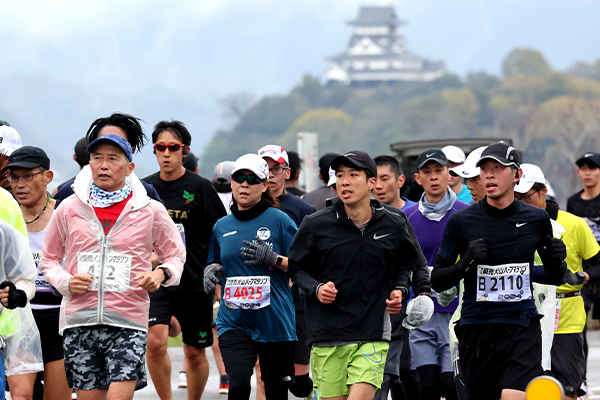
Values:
[(498, 213), (251, 213), (282, 196)]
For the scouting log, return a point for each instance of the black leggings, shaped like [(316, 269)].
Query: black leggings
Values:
[(435, 384), (239, 356)]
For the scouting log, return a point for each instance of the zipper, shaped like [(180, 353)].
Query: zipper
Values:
[(101, 281)]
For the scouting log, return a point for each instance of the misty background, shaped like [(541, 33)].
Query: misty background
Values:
[(66, 63)]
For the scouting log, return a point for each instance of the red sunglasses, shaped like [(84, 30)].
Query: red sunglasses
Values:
[(170, 146)]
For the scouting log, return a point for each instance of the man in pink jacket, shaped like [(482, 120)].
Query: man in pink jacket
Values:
[(106, 233)]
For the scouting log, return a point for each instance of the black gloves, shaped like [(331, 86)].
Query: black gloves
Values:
[(258, 253), (212, 277), (16, 297), (553, 253), (476, 252)]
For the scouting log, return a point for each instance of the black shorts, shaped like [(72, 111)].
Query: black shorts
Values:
[(52, 341), (301, 349), (568, 361), (276, 362), (499, 356), (193, 310)]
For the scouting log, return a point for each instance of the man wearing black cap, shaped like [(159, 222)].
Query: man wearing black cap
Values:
[(29, 175), (586, 204), (353, 260), (499, 330)]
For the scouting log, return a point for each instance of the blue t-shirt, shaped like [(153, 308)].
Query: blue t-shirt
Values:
[(465, 195), (275, 322), (407, 203)]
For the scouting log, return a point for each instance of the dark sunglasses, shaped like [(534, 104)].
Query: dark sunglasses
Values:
[(170, 146), (251, 179)]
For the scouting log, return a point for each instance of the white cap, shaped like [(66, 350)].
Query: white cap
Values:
[(469, 169), (454, 154), (274, 152), (254, 163), (10, 140), (332, 177), (532, 174)]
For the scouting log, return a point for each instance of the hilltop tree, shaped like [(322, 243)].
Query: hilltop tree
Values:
[(524, 61)]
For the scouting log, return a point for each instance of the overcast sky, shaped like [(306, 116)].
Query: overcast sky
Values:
[(64, 63)]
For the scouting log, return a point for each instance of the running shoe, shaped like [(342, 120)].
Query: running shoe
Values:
[(224, 388), (182, 380)]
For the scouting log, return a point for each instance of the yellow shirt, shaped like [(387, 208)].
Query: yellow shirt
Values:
[(581, 245), (11, 212)]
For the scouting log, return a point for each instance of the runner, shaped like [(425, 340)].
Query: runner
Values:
[(354, 262), (586, 204), (30, 175), (318, 197), (456, 157), (291, 184), (124, 125), (430, 343), (256, 316), (296, 208), (390, 180), (222, 181), (10, 140), (194, 206), (470, 171), (499, 330), (106, 234), (81, 157)]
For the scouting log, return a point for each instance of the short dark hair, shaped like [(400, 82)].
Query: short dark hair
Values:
[(324, 164), (348, 164), (4, 123), (295, 163), (538, 186), (190, 162), (176, 128), (82, 156), (130, 125), (390, 162)]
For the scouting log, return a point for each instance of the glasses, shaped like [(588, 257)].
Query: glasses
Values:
[(277, 170), (170, 146), (24, 177), (251, 179), (528, 197)]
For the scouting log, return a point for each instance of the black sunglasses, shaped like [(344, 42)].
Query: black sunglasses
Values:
[(251, 179), (170, 146)]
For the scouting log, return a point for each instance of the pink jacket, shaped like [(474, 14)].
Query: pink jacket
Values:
[(76, 234)]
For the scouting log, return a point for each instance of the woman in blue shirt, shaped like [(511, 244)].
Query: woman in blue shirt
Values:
[(256, 315)]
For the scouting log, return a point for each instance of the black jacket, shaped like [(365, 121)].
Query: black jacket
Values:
[(365, 268)]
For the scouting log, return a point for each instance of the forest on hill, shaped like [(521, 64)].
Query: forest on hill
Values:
[(551, 116)]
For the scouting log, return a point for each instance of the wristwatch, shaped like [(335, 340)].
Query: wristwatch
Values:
[(279, 260), (167, 273)]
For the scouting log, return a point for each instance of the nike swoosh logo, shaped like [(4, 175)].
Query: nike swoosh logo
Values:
[(429, 155), (379, 237), (520, 225), (372, 354)]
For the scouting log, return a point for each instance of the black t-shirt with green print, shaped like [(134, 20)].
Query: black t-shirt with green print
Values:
[(194, 206)]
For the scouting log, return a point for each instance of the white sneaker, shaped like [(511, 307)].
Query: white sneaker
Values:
[(584, 387), (182, 380)]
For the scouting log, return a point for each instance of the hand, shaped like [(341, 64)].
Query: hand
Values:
[(553, 250), (12, 297), (79, 283), (326, 293), (476, 253), (258, 253), (444, 298), (150, 280), (418, 312), (395, 302), (212, 277)]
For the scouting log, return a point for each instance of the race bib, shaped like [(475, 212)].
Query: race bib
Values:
[(503, 283), (557, 314), (117, 271), (181, 231), (247, 292), (40, 281)]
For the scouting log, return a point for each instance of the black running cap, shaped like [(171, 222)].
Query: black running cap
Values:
[(28, 157), (501, 152), (436, 155), (356, 158), (589, 158)]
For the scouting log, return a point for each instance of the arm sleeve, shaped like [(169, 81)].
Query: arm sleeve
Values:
[(18, 261), (420, 276), (214, 251), (594, 271), (538, 275), (168, 245), (554, 268), (446, 272), (303, 264), (53, 253)]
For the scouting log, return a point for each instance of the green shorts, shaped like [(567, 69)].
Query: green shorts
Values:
[(335, 369)]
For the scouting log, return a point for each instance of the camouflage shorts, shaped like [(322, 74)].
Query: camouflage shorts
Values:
[(97, 356)]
